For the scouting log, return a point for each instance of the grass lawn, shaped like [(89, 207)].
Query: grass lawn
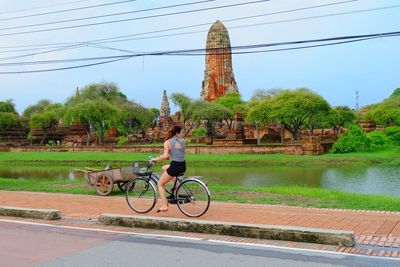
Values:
[(390, 156), (283, 195)]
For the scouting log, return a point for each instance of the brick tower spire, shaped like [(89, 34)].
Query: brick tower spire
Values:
[(165, 110), (218, 75)]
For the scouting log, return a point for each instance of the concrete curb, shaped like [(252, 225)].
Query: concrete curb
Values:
[(30, 213), (262, 231)]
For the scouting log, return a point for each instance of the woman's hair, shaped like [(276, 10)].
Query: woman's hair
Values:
[(168, 134), (175, 130)]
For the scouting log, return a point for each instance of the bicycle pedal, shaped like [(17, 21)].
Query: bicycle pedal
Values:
[(172, 201)]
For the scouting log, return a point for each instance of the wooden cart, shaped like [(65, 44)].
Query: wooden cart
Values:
[(104, 180)]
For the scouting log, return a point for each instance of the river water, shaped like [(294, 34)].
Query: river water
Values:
[(384, 180)]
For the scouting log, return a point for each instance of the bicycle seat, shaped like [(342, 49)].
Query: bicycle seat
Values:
[(181, 174)]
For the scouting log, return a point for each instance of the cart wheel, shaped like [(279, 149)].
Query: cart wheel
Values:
[(104, 185), (122, 186)]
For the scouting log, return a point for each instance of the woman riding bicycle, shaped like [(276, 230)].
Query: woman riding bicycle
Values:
[(174, 147)]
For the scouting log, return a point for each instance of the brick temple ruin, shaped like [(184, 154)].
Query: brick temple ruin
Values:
[(218, 75), (218, 80)]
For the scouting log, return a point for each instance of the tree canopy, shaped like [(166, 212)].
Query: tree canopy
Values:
[(210, 113), (47, 118), (396, 93), (293, 109), (386, 113), (8, 114), (7, 106), (184, 103)]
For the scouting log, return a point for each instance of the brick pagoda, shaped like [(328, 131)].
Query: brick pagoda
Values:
[(218, 75)]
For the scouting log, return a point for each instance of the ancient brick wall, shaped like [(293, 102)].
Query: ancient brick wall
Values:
[(291, 149), (13, 135)]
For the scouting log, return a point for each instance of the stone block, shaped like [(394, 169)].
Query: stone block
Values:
[(44, 214), (262, 231)]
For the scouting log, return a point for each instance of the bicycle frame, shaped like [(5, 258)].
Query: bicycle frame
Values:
[(155, 179)]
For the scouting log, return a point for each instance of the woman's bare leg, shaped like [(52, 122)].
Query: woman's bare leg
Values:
[(165, 167), (164, 179)]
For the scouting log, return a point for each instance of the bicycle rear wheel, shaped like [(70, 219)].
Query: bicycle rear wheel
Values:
[(193, 198), (140, 195)]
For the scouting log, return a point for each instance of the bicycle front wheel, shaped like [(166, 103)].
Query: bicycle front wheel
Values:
[(140, 195), (193, 198)]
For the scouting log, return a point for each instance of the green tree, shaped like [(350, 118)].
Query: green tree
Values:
[(96, 115), (232, 101), (352, 141), (261, 94), (396, 93), (8, 114), (210, 113), (259, 114), (7, 106), (184, 103), (292, 109), (198, 133), (393, 133), (34, 109), (98, 107), (386, 113), (7, 119), (340, 117), (47, 119), (104, 90), (133, 117), (155, 115)]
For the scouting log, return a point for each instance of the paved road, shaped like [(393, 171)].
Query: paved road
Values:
[(27, 244)]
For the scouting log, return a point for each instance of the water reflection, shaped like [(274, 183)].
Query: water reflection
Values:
[(368, 180), (354, 178)]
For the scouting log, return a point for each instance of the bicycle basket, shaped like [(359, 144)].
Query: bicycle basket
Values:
[(141, 168)]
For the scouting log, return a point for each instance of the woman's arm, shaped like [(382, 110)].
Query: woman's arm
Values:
[(164, 156)]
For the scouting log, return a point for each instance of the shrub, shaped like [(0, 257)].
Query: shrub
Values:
[(51, 143), (378, 139), (7, 119), (122, 140), (352, 141), (199, 133), (393, 133)]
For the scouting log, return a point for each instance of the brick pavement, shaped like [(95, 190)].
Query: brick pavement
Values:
[(377, 233)]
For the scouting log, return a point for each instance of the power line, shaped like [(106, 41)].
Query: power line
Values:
[(237, 27), (137, 18), (93, 43), (67, 10), (103, 40), (196, 52), (42, 7), (45, 52), (118, 58), (64, 68)]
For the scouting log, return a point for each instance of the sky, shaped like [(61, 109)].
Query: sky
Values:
[(334, 72)]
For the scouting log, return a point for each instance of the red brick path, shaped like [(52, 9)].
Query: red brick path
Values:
[(377, 233)]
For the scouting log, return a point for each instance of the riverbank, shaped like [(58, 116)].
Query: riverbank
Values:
[(279, 195), (391, 156)]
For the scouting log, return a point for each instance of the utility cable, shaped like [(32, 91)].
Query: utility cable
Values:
[(43, 7), (137, 18), (106, 40), (393, 34), (104, 16), (67, 10), (64, 68), (200, 50)]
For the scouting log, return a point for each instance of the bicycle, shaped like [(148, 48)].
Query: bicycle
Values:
[(190, 194)]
